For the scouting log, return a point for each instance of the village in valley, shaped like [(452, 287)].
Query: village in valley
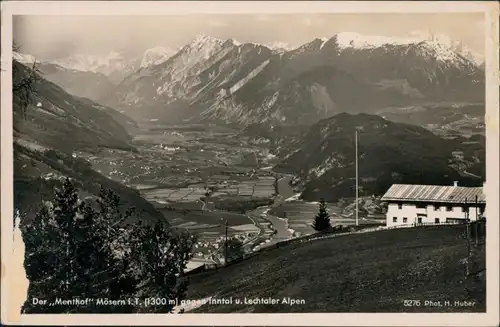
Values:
[(224, 191)]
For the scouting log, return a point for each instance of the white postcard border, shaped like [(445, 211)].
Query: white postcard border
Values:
[(491, 11)]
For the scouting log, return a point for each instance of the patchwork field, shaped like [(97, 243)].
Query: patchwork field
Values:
[(172, 159), (222, 186), (175, 168), (174, 195), (260, 187), (300, 216)]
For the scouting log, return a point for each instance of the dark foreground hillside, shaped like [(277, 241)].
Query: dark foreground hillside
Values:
[(372, 272), (37, 174)]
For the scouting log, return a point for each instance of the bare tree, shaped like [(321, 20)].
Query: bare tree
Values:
[(23, 82)]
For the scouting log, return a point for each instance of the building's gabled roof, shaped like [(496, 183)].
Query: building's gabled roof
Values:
[(434, 193)]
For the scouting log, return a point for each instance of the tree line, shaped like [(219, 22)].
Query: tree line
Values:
[(77, 249)]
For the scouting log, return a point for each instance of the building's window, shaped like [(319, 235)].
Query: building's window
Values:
[(419, 220), (400, 206), (449, 208), (394, 219), (437, 208), (436, 220), (421, 206), (405, 219)]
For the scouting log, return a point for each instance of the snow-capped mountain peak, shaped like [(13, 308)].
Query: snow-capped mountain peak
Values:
[(155, 56), (202, 47), (358, 41), (106, 64), (472, 55), (202, 40), (218, 79), (234, 42), (23, 58), (278, 45), (438, 50), (115, 63), (455, 45), (442, 45)]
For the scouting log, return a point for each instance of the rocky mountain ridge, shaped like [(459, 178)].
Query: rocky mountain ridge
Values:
[(223, 80)]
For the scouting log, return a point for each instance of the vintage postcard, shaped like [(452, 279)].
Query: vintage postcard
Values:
[(250, 163)]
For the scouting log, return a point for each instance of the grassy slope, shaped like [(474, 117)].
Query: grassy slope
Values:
[(356, 273), (65, 122)]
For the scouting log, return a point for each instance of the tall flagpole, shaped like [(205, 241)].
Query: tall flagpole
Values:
[(356, 138)]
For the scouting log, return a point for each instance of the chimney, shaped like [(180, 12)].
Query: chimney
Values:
[(455, 183)]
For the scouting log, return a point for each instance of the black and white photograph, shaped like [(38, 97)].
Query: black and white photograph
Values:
[(232, 162)]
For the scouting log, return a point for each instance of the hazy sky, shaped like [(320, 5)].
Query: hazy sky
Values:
[(49, 37)]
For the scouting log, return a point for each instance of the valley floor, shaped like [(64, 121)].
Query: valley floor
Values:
[(202, 178), (175, 167), (199, 179)]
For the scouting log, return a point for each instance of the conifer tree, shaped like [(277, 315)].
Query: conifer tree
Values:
[(160, 257), (69, 256), (322, 219), (41, 260), (66, 206), (234, 247), (75, 251)]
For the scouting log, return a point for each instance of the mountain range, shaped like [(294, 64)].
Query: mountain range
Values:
[(305, 101), (115, 65), (212, 79), (223, 80), (94, 76)]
